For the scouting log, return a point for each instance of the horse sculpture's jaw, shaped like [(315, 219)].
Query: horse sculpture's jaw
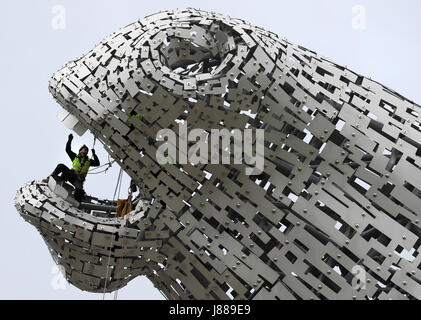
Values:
[(340, 189)]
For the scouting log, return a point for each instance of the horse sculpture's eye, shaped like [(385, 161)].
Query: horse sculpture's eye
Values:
[(261, 166)]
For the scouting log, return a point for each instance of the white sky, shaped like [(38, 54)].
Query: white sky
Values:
[(33, 141)]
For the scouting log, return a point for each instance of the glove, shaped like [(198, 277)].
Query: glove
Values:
[(70, 137), (93, 151)]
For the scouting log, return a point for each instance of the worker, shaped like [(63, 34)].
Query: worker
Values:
[(77, 175)]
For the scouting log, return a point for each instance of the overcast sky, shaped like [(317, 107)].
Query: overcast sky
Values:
[(385, 46)]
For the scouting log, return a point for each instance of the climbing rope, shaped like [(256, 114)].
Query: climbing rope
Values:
[(117, 187), (108, 165), (118, 197), (129, 192)]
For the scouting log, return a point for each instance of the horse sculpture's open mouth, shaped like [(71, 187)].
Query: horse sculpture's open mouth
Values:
[(330, 217), (85, 238)]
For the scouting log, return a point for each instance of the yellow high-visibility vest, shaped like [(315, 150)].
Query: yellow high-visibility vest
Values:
[(140, 117), (82, 170)]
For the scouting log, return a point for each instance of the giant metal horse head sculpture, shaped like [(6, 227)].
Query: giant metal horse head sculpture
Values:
[(333, 215)]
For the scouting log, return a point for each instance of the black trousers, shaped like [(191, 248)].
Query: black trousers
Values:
[(71, 176)]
